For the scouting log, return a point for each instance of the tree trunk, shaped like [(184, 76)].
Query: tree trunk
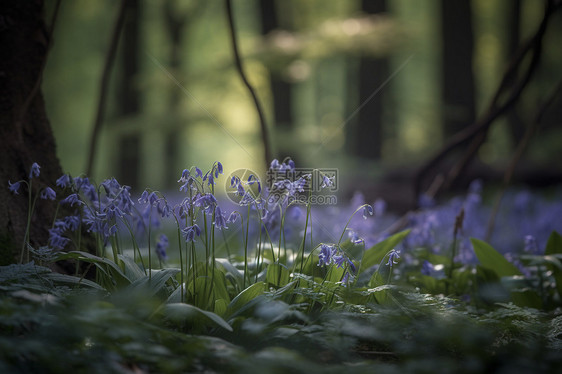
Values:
[(129, 98), (368, 137), (281, 89), (458, 77), (25, 132)]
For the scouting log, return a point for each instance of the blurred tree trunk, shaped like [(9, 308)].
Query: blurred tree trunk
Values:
[(281, 89), (368, 138), (129, 100), (25, 132), (513, 12), (459, 109)]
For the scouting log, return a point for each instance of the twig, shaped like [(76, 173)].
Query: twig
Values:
[(265, 138), (521, 147), (104, 84), (37, 84), (478, 130)]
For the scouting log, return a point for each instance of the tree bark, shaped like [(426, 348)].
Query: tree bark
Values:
[(459, 108), (129, 98), (25, 132), (372, 73)]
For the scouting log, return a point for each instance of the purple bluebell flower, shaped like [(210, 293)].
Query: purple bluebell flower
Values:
[(184, 175), (326, 254), (531, 245), (367, 211), (218, 169), (34, 172), (206, 202), (198, 172), (56, 240), (72, 222), (14, 187), (232, 217), (392, 257), (338, 260), (48, 193), (63, 181), (220, 221), (71, 200), (354, 237), (327, 181), (190, 232), (161, 247), (164, 208), (427, 268)]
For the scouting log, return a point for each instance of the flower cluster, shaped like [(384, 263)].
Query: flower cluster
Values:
[(331, 254)]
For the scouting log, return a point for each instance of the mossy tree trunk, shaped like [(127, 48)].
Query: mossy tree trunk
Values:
[(25, 132)]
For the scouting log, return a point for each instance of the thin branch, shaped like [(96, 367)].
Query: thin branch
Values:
[(37, 84), (477, 130), (104, 84), (521, 147), (264, 134)]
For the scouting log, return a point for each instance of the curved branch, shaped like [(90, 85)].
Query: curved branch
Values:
[(264, 132), (477, 131), (109, 58)]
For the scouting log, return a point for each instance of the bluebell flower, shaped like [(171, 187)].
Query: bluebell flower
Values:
[(531, 245), (218, 169), (427, 268), (161, 247), (48, 193), (326, 254), (56, 240), (190, 232), (198, 172), (327, 182), (164, 208), (338, 260), (34, 172), (72, 222), (367, 211), (274, 164), (14, 187), (354, 237), (220, 221), (111, 186), (253, 179), (72, 199), (206, 202), (184, 175), (63, 181), (232, 217), (392, 257)]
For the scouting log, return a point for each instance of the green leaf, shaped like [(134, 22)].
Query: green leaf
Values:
[(71, 280), (152, 285), (132, 269), (493, 260), (179, 312), (554, 244), (375, 254), (277, 275), (245, 297)]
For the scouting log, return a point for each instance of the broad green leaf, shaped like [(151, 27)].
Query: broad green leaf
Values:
[(335, 274), (115, 276), (554, 244), (375, 254), (132, 269), (492, 259), (71, 280), (152, 285), (180, 312), (277, 275), (245, 297)]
